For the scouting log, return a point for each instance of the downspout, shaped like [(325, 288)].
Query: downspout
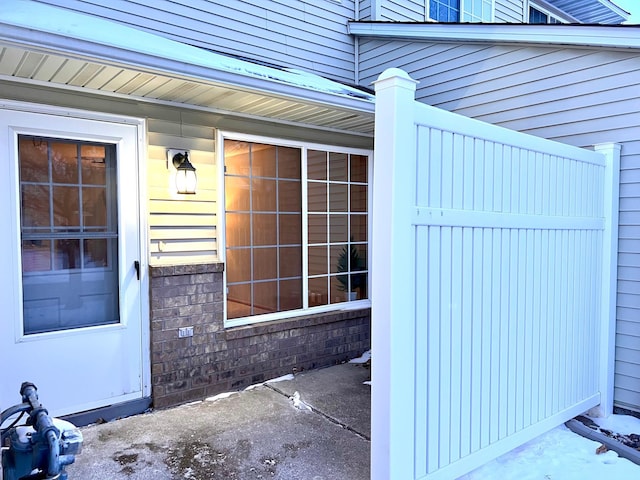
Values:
[(356, 44)]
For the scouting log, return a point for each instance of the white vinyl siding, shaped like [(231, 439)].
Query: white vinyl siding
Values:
[(509, 11), (403, 10), (364, 10), (305, 34), (577, 96)]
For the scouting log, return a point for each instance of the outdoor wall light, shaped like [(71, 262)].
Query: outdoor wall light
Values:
[(186, 179)]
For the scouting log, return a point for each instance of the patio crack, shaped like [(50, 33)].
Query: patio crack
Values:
[(323, 414)]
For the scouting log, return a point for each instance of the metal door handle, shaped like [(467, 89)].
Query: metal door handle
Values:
[(136, 265)]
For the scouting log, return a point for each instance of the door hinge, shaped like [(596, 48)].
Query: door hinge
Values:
[(136, 265)]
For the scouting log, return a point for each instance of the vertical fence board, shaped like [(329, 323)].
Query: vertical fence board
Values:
[(509, 262)]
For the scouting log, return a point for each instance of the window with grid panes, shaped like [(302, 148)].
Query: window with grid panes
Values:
[(272, 265), (461, 10)]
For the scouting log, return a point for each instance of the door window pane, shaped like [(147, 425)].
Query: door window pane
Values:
[(36, 256), (66, 254), (35, 205), (34, 166), (93, 159), (64, 162), (94, 207), (66, 207), (69, 234)]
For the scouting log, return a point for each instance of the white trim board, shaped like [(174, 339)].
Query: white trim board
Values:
[(618, 36)]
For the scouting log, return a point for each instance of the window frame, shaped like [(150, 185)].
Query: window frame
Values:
[(545, 11), (463, 10), (304, 146)]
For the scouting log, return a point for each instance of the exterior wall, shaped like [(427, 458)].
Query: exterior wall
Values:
[(364, 10), (403, 11), (510, 11), (305, 34), (577, 96), (216, 360), (186, 225), (186, 280)]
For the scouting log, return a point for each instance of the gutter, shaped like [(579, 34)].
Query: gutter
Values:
[(619, 36)]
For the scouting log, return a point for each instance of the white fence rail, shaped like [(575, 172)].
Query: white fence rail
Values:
[(492, 277)]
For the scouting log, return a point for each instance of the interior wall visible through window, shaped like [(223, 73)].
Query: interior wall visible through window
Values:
[(296, 228)]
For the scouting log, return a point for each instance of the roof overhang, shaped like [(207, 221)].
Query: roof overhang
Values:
[(592, 11), (619, 36), (40, 44)]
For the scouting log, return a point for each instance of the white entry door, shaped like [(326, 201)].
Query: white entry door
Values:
[(71, 281)]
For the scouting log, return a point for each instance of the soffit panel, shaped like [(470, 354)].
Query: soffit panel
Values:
[(24, 65), (590, 11)]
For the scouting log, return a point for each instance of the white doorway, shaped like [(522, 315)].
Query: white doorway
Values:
[(73, 290)]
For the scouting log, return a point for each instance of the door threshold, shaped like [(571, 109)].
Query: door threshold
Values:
[(109, 413)]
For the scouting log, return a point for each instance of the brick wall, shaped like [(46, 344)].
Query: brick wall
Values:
[(216, 359)]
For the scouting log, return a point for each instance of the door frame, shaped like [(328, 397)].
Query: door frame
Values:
[(143, 236)]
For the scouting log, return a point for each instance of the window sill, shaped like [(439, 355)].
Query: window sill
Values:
[(300, 321)]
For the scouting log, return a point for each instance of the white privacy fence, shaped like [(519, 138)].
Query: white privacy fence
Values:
[(493, 286)]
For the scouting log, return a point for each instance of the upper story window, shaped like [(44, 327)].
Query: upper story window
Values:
[(538, 16), (461, 10)]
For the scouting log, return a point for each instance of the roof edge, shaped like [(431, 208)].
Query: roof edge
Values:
[(571, 35), (33, 26)]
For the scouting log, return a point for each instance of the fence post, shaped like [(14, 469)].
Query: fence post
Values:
[(393, 243), (611, 152)]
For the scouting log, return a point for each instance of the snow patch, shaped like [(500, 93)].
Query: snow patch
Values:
[(562, 455), (298, 403), (623, 424), (368, 382), (366, 356), (220, 396), (281, 379)]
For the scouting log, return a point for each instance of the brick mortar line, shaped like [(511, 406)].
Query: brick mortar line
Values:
[(322, 414)]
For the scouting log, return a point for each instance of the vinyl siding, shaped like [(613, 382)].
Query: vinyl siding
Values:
[(403, 10), (306, 34), (364, 11), (187, 225), (509, 11), (577, 96)]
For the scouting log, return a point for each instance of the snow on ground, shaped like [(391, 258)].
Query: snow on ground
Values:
[(366, 356), (563, 455)]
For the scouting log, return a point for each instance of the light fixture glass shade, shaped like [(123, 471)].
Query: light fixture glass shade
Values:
[(186, 179)]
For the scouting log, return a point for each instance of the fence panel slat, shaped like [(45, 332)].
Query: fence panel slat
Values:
[(508, 319)]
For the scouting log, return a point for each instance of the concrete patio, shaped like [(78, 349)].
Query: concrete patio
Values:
[(259, 433)]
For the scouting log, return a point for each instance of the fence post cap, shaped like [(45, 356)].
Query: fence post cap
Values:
[(395, 76)]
